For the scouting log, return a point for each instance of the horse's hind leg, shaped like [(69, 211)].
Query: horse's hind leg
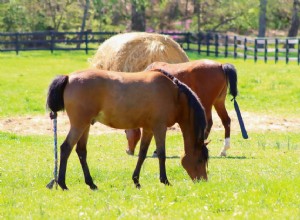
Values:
[(222, 112), (82, 153), (65, 151), (209, 120), (145, 142), (133, 136)]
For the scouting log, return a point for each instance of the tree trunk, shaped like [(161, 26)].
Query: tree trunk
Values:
[(86, 9), (197, 11), (295, 23), (262, 18), (138, 20)]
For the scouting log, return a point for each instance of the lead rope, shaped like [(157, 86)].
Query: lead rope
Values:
[(240, 119), (53, 116)]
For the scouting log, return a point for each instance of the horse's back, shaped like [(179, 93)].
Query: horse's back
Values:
[(121, 100), (205, 77)]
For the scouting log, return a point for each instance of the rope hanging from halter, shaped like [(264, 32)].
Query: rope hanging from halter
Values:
[(53, 116), (240, 119)]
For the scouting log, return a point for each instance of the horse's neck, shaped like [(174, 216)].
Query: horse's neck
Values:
[(188, 133)]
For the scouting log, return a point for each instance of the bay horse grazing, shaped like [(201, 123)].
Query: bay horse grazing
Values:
[(209, 80), (152, 100)]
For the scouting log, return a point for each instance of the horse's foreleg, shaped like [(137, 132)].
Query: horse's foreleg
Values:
[(65, 151), (222, 112), (160, 138), (82, 153), (133, 136), (145, 142)]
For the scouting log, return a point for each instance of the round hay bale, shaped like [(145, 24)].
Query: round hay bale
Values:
[(133, 52)]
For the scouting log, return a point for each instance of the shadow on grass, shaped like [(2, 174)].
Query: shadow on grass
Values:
[(232, 157), (167, 157), (211, 157)]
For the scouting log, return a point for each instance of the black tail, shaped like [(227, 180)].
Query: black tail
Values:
[(231, 74), (55, 99)]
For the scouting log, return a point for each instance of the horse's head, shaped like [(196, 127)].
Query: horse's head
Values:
[(195, 164)]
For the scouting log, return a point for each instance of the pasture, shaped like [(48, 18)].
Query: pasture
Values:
[(259, 179)]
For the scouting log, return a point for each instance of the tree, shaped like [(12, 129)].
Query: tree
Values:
[(262, 18), (14, 18), (197, 12), (57, 11), (84, 17), (138, 18), (85, 13), (295, 22)]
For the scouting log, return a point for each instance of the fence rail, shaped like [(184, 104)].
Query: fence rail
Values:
[(207, 44)]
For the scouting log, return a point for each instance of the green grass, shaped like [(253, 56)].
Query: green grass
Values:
[(258, 180), (24, 79)]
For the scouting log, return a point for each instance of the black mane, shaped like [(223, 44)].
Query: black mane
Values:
[(199, 113)]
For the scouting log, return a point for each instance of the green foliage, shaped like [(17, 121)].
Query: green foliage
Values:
[(14, 18), (279, 17), (239, 16)]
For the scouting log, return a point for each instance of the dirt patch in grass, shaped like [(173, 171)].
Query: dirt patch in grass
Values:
[(42, 125)]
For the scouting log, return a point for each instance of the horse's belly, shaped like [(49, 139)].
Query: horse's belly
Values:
[(117, 121)]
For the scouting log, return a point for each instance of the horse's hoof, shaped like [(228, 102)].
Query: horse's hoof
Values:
[(138, 186), (129, 152), (166, 182), (223, 154), (93, 187), (154, 155), (63, 186)]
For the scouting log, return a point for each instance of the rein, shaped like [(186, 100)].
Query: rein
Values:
[(239, 116), (53, 116)]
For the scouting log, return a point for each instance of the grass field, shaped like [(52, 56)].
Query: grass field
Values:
[(258, 180)]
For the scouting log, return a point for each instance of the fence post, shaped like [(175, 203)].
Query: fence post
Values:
[(199, 42), (255, 50), (17, 43), (86, 42), (207, 44), (287, 51), (245, 48), (266, 51), (216, 45), (235, 47), (276, 50), (226, 45), (298, 51), (188, 40), (52, 41)]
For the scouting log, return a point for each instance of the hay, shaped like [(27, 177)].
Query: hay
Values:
[(133, 52)]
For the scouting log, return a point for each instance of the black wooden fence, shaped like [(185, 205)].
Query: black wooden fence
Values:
[(206, 44)]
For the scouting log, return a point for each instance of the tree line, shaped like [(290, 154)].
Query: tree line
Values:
[(246, 17)]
